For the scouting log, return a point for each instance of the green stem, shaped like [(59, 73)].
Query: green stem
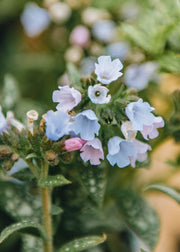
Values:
[(33, 169), (46, 205)]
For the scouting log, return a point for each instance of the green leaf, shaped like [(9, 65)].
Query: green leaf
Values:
[(52, 181), (74, 76), (18, 226), (153, 39), (170, 62), (139, 216), (24, 175), (165, 189), (31, 243), (22, 202), (32, 155), (93, 179), (142, 250), (83, 243), (55, 210)]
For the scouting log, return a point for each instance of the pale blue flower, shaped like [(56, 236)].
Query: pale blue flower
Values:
[(3, 123), (57, 124), (67, 97), (139, 113), (118, 50), (34, 19), (86, 124), (120, 151), (138, 76), (107, 70), (104, 30), (98, 94)]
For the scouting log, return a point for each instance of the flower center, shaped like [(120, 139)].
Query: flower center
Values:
[(97, 93)]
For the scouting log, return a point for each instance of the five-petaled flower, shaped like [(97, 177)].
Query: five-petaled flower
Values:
[(142, 149), (120, 151), (57, 124), (85, 124), (139, 113), (67, 97), (98, 94), (151, 130), (92, 151), (107, 70)]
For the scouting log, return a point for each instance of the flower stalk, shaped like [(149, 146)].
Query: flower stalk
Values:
[(46, 206)]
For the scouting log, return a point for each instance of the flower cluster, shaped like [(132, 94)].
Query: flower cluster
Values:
[(83, 127)]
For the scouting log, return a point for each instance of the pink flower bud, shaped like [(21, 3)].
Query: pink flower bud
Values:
[(80, 36), (73, 144)]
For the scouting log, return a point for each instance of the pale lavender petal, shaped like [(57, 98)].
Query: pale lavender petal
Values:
[(67, 97), (142, 149), (107, 70), (151, 131), (92, 151)]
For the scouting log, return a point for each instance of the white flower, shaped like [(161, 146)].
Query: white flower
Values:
[(67, 97), (107, 70), (98, 94)]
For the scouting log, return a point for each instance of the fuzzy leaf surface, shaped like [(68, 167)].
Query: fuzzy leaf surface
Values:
[(18, 226), (139, 216), (83, 243), (52, 181)]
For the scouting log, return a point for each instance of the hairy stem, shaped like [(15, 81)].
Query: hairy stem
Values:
[(46, 205), (33, 169)]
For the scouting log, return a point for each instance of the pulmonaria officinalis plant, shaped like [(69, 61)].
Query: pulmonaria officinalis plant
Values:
[(90, 130)]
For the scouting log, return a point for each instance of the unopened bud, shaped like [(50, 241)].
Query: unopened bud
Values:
[(42, 123), (74, 54), (15, 157), (127, 130), (32, 115), (5, 151), (7, 165), (51, 157), (59, 12), (58, 147), (66, 157), (74, 143)]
